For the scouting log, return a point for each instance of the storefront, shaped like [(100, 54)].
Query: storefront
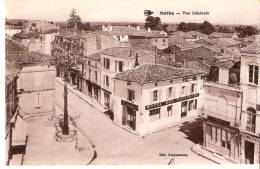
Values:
[(129, 114), (222, 139), (250, 145)]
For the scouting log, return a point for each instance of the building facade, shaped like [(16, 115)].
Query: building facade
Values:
[(153, 97), (37, 87), (250, 84)]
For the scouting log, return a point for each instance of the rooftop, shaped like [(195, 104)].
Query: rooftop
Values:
[(184, 35), (180, 42), (95, 56), (127, 52), (150, 73), (221, 35), (253, 48), (11, 71), (199, 53), (196, 33)]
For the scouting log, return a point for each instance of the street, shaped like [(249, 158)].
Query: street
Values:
[(115, 145)]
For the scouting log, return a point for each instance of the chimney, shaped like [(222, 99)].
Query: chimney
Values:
[(136, 60), (137, 28), (149, 29), (110, 28)]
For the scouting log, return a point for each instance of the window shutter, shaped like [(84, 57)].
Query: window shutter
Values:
[(151, 97), (159, 95)]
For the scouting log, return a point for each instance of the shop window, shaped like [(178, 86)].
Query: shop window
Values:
[(96, 93), (184, 109), (154, 114), (169, 111), (223, 138), (214, 138)]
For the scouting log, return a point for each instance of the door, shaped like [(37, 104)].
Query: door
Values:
[(249, 152), (131, 118), (124, 115)]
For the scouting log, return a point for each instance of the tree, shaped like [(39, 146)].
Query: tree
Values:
[(152, 22), (207, 28), (245, 31), (74, 20), (86, 26)]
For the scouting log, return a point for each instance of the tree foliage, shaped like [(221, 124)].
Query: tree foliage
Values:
[(244, 31), (205, 27), (74, 20), (152, 22)]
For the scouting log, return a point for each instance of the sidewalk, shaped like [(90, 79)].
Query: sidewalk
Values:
[(211, 155), (43, 149), (81, 95)]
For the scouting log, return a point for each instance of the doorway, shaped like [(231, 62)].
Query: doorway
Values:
[(249, 152), (129, 117)]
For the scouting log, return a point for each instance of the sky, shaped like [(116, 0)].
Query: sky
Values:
[(220, 11)]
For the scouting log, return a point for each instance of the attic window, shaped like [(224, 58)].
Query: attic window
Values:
[(128, 83)]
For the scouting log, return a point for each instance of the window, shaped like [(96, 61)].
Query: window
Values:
[(169, 111), (128, 83), (106, 63), (229, 141), (106, 80), (251, 120), (155, 95), (131, 95), (223, 138), (169, 92), (37, 102), (96, 75), (253, 74), (89, 62), (120, 66), (192, 105), (184, 109), (90, 90), (222, 50), (95, 93), (116, 65), (154, 114), (214, 138), (89, 73), (183, 92), (193, 88)]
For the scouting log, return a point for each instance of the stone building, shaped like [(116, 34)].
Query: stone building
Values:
[(152, 97)]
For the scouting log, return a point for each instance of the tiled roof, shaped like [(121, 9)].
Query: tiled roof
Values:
[(204, 42), (221, 35), (181, 42), (194, 54), (11, 71), (227, 63), (24, 35), (149, 73), (196, 33), (125, 52), (95, 56), (17, 53), (226, 42), (253, 48), (184, 35)]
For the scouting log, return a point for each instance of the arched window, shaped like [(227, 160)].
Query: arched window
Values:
[(251, 119)]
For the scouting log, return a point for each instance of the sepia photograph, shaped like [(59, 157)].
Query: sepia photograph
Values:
[(140, 82)]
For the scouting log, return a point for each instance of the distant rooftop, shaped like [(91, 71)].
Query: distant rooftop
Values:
[(150, 73), (253, 48), (126, 52)]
